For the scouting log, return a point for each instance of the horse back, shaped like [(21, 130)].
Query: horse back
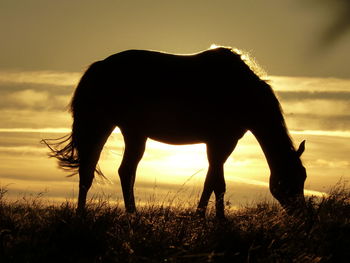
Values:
[(214, 73), (212, 88)]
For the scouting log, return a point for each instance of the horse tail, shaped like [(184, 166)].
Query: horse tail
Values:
[(65, 151), (66, 148)]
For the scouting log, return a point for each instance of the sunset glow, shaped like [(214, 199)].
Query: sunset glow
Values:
[(162, 163), (40, 69)]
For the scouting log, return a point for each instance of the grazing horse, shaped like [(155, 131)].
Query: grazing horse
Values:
[(211, 97)]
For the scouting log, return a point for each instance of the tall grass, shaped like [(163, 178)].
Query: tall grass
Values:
[(31, 231)]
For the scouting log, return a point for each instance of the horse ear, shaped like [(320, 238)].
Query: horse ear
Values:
[(301, 149)]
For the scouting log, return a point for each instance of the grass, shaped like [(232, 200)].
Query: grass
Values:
[(33, 232)]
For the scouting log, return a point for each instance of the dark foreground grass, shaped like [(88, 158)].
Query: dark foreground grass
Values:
[(33, 232)]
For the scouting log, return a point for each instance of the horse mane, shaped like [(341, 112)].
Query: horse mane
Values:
[(253, 70), (276, 113)]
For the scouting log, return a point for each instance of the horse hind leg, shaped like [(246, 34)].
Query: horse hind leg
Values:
[(217, 153), (134, 149), (90, 145)]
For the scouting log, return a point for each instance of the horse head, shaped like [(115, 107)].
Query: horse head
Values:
[(287, 183)]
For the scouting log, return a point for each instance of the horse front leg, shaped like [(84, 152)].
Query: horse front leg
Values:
[(217, 153), (134, 149), (207, 191), (214, 182), (219, 190)]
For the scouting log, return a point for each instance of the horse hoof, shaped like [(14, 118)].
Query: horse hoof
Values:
[(80, 212), (220, 217), (200, 213)]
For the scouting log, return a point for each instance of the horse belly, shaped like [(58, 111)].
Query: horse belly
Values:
[(175, 139), (189, 128), (175, 130)]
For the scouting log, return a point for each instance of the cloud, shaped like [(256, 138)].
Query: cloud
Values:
[(52, 78), (309, 84), (22, 150), (342, 134), (28, 98), (35, 130), (332, 164), (308, 114), (33, 99), (36, 90), (314, 103), (317, 122), (325, 108), (33, 119), (314, 95)]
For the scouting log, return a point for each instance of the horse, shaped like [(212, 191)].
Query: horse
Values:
[(212, 97)]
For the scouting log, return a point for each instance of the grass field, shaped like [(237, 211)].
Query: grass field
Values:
[(31, 231)]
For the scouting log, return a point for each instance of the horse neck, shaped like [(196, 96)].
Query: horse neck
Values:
[(276, 145)]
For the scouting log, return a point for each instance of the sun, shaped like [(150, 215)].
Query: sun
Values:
[(214, 46), (184, 156)]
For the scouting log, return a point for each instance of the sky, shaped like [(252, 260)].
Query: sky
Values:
[(303, 46)]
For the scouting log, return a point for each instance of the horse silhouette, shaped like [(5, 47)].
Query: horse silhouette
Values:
[(211, 97)]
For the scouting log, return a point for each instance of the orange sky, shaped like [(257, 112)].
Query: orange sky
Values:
[(46, 46)]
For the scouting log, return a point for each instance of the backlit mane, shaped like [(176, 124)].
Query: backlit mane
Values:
[(246, 57), (252, 68)]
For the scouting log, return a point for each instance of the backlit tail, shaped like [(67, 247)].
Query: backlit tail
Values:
[(65, 148)]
